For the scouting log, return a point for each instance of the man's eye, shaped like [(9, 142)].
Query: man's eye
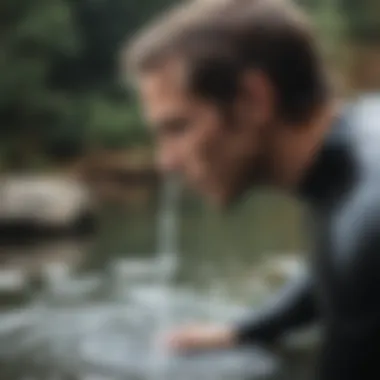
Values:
[(176, 127)]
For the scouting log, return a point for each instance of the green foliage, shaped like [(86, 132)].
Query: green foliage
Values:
[(36, 34), (57, 97), (113, 123)]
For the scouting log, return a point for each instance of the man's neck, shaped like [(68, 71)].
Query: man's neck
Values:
[(297, 147)]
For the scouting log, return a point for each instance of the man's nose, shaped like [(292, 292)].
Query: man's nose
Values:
[(168, 161)]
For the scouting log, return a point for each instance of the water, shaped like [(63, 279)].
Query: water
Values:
[(111, 335), (168, 258), (103, 321)]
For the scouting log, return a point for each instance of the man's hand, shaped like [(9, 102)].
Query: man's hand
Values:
[(201, 337)]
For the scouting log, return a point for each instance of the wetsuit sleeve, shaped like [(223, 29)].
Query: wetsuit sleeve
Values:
[(294, 306), (351, 349)]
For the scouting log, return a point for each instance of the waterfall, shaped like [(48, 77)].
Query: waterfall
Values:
[(167, 261)]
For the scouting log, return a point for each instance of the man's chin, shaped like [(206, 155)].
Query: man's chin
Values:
[(223, 202)]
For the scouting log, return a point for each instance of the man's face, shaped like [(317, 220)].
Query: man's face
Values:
[(218, 154)]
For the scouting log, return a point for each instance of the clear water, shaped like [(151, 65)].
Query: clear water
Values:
[(98, 313)]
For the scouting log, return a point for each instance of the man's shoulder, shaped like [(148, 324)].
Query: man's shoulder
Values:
[(363, 203), (363, 112), (357, 222), (362, 118)]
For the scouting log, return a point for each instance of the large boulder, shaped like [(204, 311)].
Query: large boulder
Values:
[(43, 203)]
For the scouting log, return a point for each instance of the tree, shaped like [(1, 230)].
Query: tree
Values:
[(36, 33)]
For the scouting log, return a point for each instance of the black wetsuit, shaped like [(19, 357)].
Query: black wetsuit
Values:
[(342, 191)]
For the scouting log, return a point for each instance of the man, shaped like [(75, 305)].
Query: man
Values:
[(237, 96)]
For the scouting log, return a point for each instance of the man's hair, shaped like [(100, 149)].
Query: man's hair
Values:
[(219, 40)]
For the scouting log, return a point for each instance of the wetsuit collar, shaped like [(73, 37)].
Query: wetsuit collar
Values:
[(333, 167)]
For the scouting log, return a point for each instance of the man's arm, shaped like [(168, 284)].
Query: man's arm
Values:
[(294, 306)]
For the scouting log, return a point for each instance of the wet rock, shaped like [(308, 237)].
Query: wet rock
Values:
[(32, 205)]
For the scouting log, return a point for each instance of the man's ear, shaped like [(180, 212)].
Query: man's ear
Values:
[(259, 96)]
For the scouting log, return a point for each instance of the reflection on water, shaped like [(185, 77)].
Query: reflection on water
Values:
[(106, 327), (95, 310)]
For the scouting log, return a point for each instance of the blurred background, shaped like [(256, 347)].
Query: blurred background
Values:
[(96, 255)]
